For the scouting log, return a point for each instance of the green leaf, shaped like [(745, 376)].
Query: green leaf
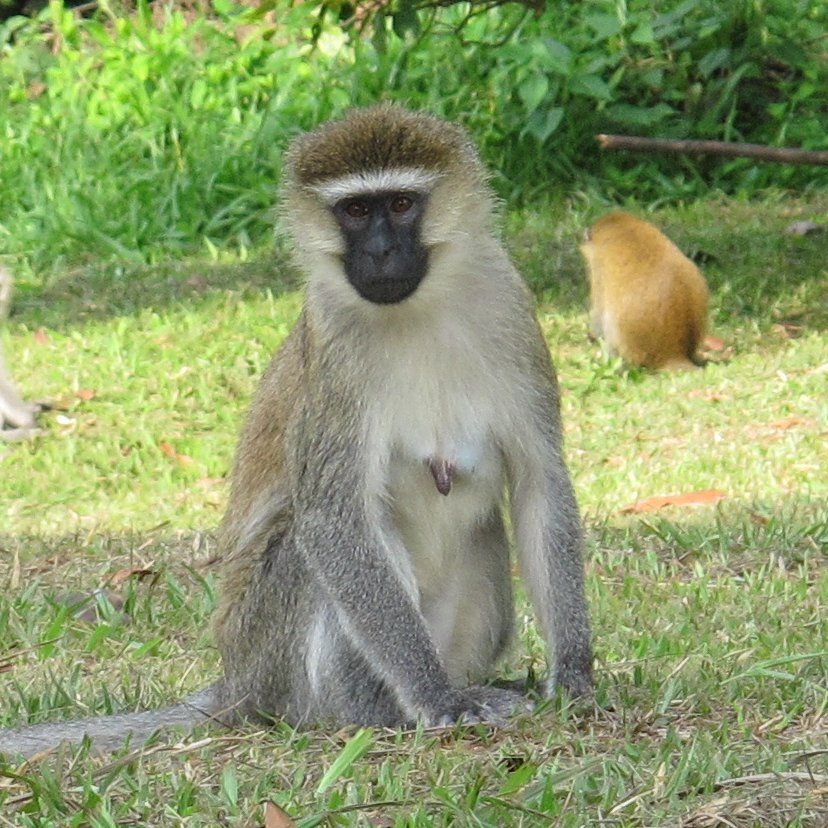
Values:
[(639, 115), (230, 784), (557, 57), (198, 93), (533, 90), (713, 60), (517, 779), (354, 749), (653, 77), (591, 86), (643, 34), (604, 25), (542, 123), (379, 37), (98, 32)]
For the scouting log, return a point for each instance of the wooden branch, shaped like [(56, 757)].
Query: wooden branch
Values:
[(779, 155)]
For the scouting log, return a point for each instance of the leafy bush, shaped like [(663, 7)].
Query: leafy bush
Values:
[(150, 134), (136, 136)]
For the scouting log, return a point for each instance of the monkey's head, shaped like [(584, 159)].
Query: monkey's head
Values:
[(375, 195)]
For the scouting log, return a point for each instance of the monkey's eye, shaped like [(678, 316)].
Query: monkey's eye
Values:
[(356, 209), (401, 204)]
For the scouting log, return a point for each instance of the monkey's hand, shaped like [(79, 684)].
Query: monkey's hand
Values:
[(486, 705)]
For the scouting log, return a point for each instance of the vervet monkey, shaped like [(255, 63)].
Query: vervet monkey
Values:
[(365, 568), (648, 300), (17, 417)]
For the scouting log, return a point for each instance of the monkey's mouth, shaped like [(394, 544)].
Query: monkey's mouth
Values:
[(387, 291)]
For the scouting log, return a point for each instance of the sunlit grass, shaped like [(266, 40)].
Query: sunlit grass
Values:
[(711, 646)]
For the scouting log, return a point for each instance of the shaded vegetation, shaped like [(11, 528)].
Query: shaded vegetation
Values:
[(137, 136)]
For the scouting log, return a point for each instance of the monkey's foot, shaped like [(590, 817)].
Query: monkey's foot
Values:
[(488, 705)]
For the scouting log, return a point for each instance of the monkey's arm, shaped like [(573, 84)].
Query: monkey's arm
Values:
[(363, 570), (108, 733), (549, 539)]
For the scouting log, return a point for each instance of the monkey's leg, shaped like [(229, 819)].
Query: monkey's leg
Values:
[(344, 689), (471, 619), (470, 616), (342, 685), (286, 654)]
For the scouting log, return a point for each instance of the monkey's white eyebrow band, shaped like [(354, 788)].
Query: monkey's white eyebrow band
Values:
[(377, 181)]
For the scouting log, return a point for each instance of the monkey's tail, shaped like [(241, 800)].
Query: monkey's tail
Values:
[(107, 733)]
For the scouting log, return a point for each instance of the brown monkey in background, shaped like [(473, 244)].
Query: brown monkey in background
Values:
[(365, 566), (648, 301)]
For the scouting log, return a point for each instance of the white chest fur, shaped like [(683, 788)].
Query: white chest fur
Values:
[(440, 402)]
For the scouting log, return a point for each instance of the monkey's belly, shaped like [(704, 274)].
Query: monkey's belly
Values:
[(456, 560), (436, 516)]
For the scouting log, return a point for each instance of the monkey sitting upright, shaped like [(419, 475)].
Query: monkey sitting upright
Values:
[(648, 301), (365, 567)]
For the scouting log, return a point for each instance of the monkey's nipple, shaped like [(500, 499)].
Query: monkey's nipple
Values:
[(443, 473)]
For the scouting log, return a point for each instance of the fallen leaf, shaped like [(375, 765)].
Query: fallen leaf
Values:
[(790, 422), (276, 817), (705, 497), (714, 343), (122, 575), (41, 337), (86, 394), (62, 404), (182, 459)]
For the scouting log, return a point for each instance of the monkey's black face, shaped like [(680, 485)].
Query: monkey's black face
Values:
[(385, 260)]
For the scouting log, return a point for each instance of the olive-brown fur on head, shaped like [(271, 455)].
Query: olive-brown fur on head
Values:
[(383, 137), (383, 148), (648, 300)]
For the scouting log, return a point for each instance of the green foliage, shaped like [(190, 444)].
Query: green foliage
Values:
[(139, 136), (143, 135)]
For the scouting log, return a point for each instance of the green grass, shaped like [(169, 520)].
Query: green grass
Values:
[(711, 643)]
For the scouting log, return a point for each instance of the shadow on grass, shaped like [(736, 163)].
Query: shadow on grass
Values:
[(755, 270), (103, 291)]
